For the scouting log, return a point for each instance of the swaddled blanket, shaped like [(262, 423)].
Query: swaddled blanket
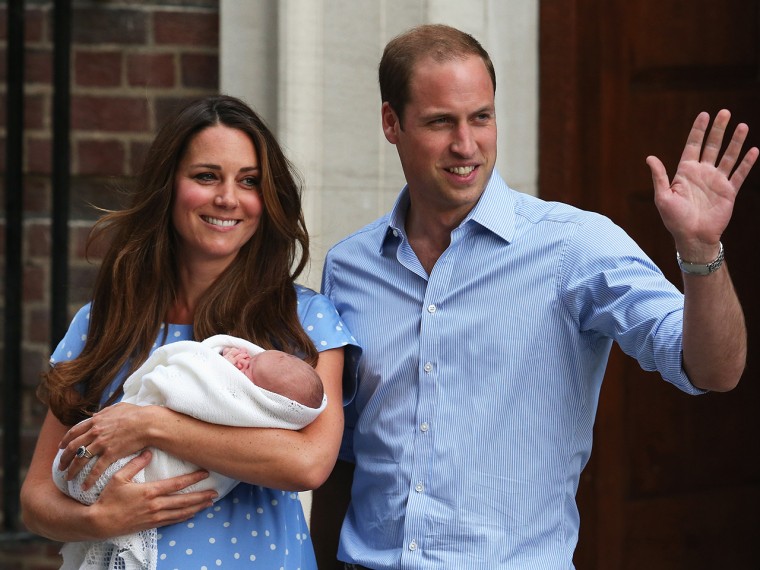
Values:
[(194, 379)]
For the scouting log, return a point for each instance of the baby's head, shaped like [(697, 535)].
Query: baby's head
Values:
[(287, 375)]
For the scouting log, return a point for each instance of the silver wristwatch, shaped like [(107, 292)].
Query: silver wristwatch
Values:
[(701, 268)]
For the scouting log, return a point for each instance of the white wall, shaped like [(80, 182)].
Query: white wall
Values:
[(310, 68)]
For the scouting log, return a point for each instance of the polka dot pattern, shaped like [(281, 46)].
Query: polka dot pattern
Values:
[(251, 527)]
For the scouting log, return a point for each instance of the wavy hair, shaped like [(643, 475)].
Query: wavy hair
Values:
[(137, 283)]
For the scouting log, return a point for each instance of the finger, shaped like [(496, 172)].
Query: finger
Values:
[(131, 469), (715, 137), (76, 466), (741, 172), (734, 148), (69, 455), (183, 507), (693, 148), (75, 432), (94, 469), (180, 482)]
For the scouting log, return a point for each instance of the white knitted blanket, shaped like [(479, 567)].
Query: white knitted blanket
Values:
[(194, 379)]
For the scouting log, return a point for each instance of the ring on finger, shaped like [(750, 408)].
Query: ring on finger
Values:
[(82, 451)]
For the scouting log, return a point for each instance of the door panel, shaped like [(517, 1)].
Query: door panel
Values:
[(674, 480)]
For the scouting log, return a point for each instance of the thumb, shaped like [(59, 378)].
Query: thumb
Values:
[(660, 179)]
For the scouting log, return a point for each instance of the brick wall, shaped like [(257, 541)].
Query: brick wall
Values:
[(131, 63)]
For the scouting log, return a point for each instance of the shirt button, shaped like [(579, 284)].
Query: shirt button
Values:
[(424, 426), (419, 487), (413, 546), (395, 233), (428, 367), (431, 309)]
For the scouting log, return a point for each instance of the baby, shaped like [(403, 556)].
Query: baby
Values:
[(279, 372)]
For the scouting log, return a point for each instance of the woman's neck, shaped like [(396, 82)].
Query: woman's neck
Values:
[(193, 283), (180, 314)]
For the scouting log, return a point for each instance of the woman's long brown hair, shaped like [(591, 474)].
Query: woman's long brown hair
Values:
[(254, 298)]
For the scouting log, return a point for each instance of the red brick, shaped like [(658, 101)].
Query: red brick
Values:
[(96, 192), (38, 239), (101, 157), (38, 325), (166, 107), (200, 70), (37, 194), (137, 152), (98, 247), (151, 70), (38, 155), (79, 237), (114, 114), (97, 69), (34, 24), (34, 282), (38, 66), (81, 280), (35, 111), (186, 28), (104, 25)]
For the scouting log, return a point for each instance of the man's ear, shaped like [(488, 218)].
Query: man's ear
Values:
[(391, 123)]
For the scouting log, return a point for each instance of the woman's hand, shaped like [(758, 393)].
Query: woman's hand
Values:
[(112, 433), (147, 505), (123, 506)]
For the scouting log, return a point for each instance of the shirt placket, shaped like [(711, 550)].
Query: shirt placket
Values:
[(422, 482)]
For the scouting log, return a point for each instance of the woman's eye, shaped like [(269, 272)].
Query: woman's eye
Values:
[(205, 177), (251, 181)]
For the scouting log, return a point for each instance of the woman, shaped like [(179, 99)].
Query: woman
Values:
[(212, 244)]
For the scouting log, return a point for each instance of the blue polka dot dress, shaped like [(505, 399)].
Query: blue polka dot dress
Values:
[(252, 526)]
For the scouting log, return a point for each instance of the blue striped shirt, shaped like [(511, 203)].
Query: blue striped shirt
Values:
[(478, 384)]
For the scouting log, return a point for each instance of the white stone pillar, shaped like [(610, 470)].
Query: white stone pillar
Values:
[(248, 54), (310, 68)]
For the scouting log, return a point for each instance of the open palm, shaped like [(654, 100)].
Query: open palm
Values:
[(697, 205)]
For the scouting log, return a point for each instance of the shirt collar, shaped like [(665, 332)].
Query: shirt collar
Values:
[(495, 211)]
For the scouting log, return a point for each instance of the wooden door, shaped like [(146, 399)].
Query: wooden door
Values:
[(674, 480)]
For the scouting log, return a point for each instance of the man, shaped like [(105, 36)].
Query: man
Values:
[(486, 318)]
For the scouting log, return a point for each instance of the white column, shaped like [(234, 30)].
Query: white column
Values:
[(248, 54), (300, 108), (310, 68)]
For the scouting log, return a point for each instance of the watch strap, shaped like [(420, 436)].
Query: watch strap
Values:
[(701, 268)]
